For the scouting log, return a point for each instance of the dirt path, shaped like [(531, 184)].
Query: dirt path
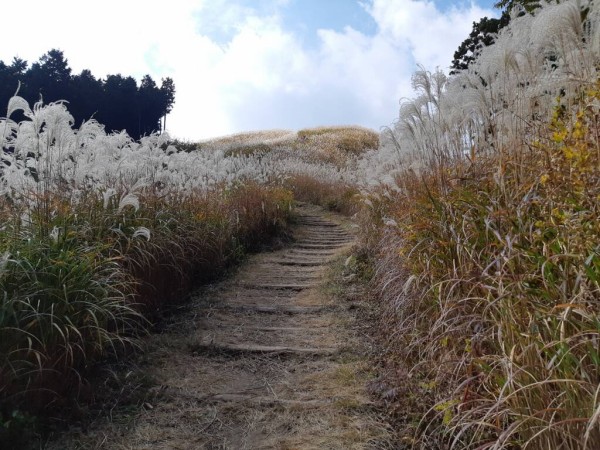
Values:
[(265, 360)]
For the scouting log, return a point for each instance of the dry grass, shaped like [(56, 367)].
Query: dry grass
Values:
[(86, 294), (335, 196), (489, 273), (249, 139), (337, 148), (329, 143), (337, 144)]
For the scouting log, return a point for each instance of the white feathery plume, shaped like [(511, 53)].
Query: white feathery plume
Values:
[(17, 103), (142, 232), (129, 200)]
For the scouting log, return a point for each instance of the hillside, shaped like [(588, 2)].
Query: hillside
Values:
[(476, 257)]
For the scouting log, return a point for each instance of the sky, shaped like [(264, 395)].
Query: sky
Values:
[(244, 65)]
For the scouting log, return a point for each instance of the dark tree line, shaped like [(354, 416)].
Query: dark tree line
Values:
[(485, 31), (482, 35), (117, 102)]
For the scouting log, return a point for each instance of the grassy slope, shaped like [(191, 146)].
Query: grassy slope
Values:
[(335, 147), (489, 273)]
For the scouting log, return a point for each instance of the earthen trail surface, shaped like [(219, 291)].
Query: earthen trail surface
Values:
[(264, 360)]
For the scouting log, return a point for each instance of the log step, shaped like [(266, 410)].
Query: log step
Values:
[(276, 309), (265, 401), (270, 350), (300, 263), (276, 287)]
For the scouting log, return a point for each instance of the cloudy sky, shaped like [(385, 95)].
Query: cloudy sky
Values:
[(242, 65)]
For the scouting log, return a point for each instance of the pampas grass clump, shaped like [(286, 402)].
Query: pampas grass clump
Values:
[(488, 265)]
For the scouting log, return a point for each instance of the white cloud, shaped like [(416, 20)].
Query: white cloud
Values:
[(236, 68), (432, 35)]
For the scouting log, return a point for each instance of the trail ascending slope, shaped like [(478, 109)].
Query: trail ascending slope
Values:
[(265, 360)]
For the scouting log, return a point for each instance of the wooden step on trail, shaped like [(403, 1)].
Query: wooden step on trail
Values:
[(250, 328), (288, 329), (325, 252), (293, 279), (263, 350), (319, 235), (279, 275), (318, 224), (263, 400), (301, 260), (300, 263), (301, 254), (332, 241), (276, 287), (275, 309), (318, 246)]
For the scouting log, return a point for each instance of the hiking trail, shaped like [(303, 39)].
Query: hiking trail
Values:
[(266, 359)]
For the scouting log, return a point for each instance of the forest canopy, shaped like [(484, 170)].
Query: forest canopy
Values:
[(117, 101)]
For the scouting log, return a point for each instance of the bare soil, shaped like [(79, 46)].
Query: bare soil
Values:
[(268, 359)]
